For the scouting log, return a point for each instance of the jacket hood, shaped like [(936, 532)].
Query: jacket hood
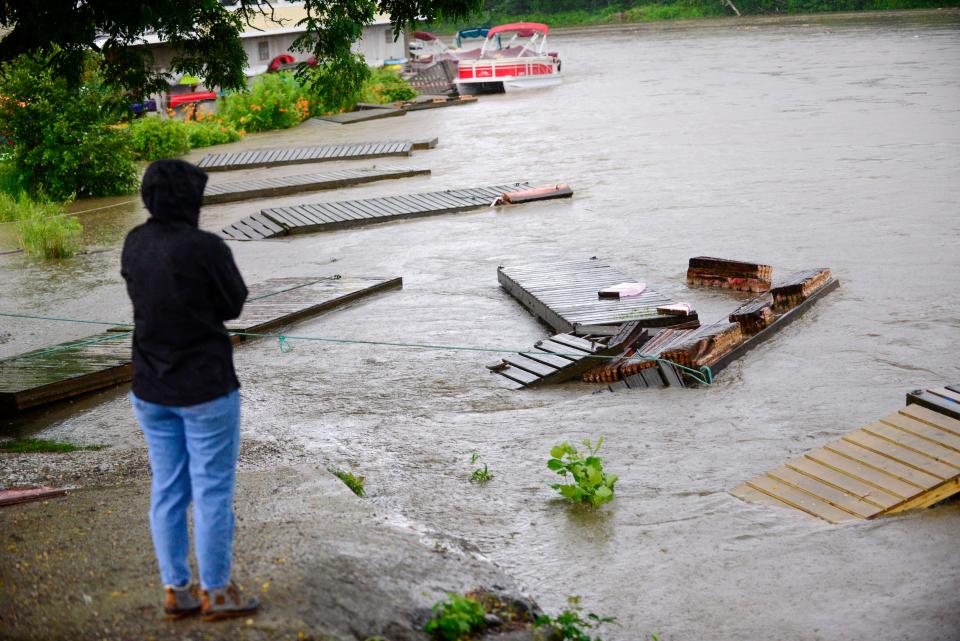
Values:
[(173, 191)]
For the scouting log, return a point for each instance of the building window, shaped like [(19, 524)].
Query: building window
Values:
[(263, 48), (388, 35)]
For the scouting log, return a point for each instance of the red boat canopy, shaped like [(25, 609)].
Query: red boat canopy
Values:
[(529, 27), (424, 35)]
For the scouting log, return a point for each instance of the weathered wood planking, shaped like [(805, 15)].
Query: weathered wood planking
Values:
[(363, 115), (564, 296), (316, 217), (319, 153), (945, 400), (563, 357), (77, 367), (284, 185), (907, 460), (670, 338)]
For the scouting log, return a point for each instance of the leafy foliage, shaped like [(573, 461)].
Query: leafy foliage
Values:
[(272, 103), (384, 86), (590, 483), (355, 483), (155, 138), (480, 475), (63, 142), (205, 33), (205, 133), (571, 626), (456, 617), (335, 87)]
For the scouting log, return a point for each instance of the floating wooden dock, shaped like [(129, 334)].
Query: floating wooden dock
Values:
[(303, 219), (904, 461), (77, 367), (284, 185), (320, 153), (363, 115), (945, 400), (565, 296)]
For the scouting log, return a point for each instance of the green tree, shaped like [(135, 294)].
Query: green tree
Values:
[(206, 33), (64, 144)]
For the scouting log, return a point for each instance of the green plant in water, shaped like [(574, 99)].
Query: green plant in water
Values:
[(481, 474), (571, 626), (37, 445), (355, 483), (153, 138), (590, 483), (456, 617), (384, 86)]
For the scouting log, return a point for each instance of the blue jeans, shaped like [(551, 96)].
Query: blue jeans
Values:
[(193, 455)]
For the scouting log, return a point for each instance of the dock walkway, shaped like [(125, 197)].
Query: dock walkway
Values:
[(907, 460), (316, 217), (319, 153), (565, 296), (285, 185), (97, 362)]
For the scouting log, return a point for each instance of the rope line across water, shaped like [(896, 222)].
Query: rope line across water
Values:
[(704, 375)]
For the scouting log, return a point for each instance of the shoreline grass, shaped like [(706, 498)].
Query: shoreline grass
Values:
[(44, 446)]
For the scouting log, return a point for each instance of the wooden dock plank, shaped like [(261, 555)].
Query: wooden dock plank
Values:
[(354, 213), (924, 430), (901, 454), (935, 402), (320, 153), (363, 115), (870, 475), (932, 418), (800, 500), (285, 185), (916, 443), (77, 367), (844, 482), (564, 295), (843, 500)]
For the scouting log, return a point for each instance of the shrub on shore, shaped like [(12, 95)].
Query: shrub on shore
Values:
[(276, 101), (155, 138), (64, 144)]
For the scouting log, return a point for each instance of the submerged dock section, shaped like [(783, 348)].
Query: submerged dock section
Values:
[(907, 460), (317, 217), (285, 185), (73, 368), (566, 296), (319, 153)]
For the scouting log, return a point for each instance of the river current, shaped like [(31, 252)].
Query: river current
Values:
[(807, 145)]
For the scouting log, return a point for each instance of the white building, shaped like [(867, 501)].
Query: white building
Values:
[(271, 35)]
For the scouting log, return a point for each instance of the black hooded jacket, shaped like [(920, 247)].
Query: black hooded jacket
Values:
[(183, 284)]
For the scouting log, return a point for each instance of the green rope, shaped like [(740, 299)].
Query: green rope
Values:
[(68, 346), (704, 375)]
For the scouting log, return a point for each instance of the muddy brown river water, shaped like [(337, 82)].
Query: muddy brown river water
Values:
[(810, 145)]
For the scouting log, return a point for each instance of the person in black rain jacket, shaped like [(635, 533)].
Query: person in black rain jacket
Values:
[(184, 284)]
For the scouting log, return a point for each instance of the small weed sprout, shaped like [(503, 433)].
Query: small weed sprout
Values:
[(590, 483), (480, 475), (570, 625), (355, 483), (455, 618)]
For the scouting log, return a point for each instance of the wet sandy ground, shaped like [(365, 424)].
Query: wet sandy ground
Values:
[(803, 146)]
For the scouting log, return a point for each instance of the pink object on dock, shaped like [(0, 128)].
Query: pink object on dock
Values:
[(27, 494), (623, 290), (676, 309)]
